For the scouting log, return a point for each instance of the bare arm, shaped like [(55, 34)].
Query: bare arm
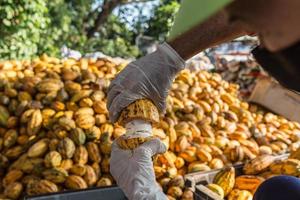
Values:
[(212, 32)]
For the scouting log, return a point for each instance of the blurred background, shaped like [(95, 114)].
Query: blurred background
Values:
[(125, 29)]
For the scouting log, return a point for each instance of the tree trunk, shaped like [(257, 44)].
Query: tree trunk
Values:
[(107, 8)]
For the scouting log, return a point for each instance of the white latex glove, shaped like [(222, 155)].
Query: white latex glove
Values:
[(149, 77), (134, 173)]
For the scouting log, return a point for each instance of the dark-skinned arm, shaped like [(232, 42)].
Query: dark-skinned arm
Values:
[(213, 31)]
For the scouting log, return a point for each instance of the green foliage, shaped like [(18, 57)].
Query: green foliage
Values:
[(29, 28), (162, 19), (22, 23), (114, 39)]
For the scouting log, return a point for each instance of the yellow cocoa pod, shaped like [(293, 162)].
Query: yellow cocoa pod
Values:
[(38, 149), (237, 135), (295, 154), (10, 138), (248, 154), (104, 182), (171, 172), (75, 182), (240, 195), (72, 87), (14, 152), (66, 148), (92, 133), (167, 159), (140, 109), (93, 152), (78, 169), (44, 187), (13, 190), (78, 136), (53, 144), (22, 139), (216, 163), (90, 176), (258, 164), (4, 115), (235, 154), (3, 161), (105, 164), (66, 123), (175, 192), (118, 131), (276, 167), (12, 122), (66, 164), (226, 179), (204, 155), (85, 121), (179, 162), (105, 143), (107, 128), (197, 167), (47, 115), (72, 106), (207, 108), (215, 151), (183, 126), (265, 150), (207, 131), (35, 122), (181, 144), (81, 155), (55, 175), (84, 111), (188, 155), (26, 115), (227, 98), (100, 119), (53, 159), (12, 176), (100, 107), (216, 189), (291, 167), (80, 95), (49, 85), (159, 171), (188, 194), (178, 181), (58, 106), (248, 182)]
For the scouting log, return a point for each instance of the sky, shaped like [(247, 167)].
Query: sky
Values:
[(134, 9)]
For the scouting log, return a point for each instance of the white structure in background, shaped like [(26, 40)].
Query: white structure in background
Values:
[(199, 62), (69, 53)]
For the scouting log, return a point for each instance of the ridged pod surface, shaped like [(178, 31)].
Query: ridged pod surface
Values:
[(226, 179)]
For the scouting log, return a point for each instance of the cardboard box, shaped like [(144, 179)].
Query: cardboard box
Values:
[(276, 98)]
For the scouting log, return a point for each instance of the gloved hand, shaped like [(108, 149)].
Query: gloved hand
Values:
[(149, 77), (133, 170)]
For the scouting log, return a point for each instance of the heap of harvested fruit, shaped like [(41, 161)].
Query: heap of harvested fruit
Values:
[(55, 133)]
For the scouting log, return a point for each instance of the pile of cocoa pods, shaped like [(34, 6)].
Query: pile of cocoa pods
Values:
[(55, 134), (227, 185)]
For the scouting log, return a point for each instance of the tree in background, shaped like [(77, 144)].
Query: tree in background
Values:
[(30, 28), (22, 25), (161, 20)]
